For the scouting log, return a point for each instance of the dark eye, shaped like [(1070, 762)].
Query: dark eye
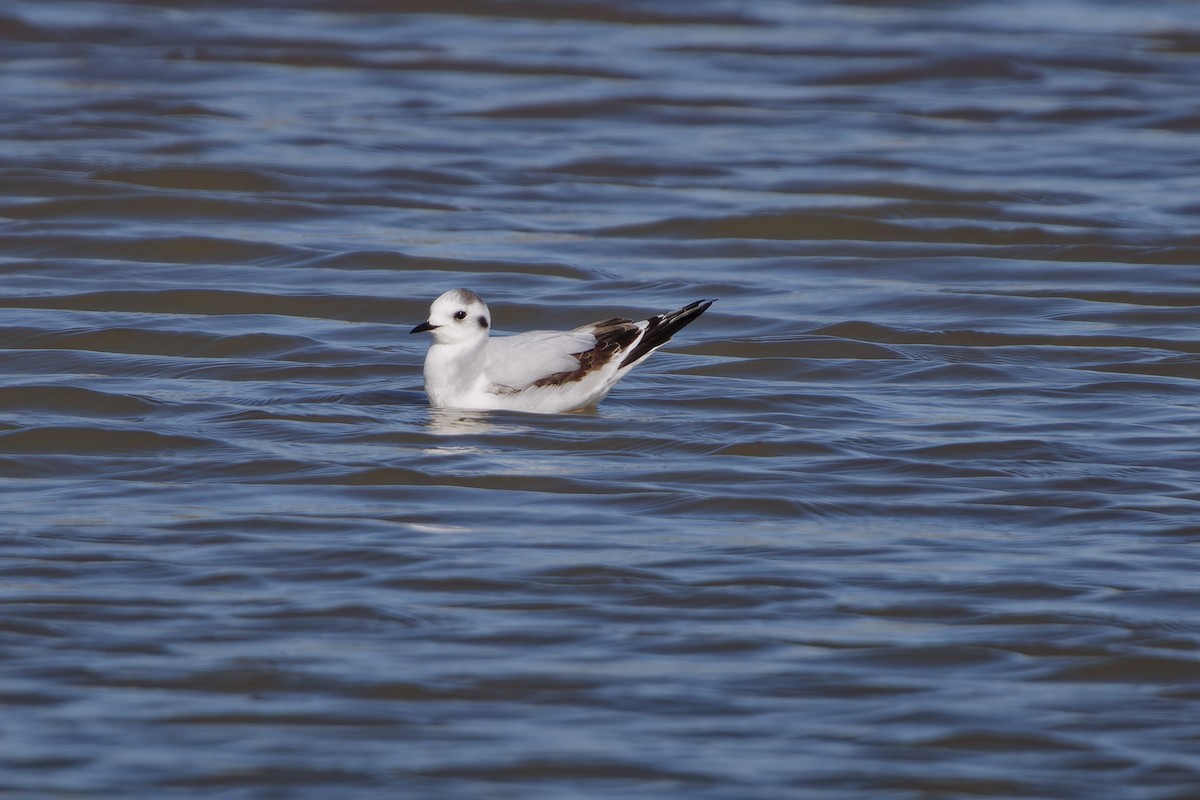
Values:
[(460, 315)]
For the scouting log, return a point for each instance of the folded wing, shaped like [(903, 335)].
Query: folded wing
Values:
[(518, 362), (594, 356)]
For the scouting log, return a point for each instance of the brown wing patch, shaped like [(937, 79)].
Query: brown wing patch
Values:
[(613, 336)]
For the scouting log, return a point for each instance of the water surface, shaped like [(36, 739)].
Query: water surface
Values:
[(912, 511)]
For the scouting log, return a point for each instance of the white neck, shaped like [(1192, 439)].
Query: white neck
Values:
[(452, 369)]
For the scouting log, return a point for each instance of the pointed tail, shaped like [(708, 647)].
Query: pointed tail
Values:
[(661, 328)]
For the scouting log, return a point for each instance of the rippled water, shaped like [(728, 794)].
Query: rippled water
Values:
[(911, 512)]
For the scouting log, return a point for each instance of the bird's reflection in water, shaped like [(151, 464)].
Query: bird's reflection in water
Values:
[(457, 422)]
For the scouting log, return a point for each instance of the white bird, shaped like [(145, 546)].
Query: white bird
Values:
[(543, 371)]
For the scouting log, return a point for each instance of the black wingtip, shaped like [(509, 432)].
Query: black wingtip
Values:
[(663, 327)]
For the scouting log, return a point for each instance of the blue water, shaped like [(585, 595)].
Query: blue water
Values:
[(911, 512)]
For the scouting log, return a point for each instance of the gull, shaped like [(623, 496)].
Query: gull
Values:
[(549, 372)]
